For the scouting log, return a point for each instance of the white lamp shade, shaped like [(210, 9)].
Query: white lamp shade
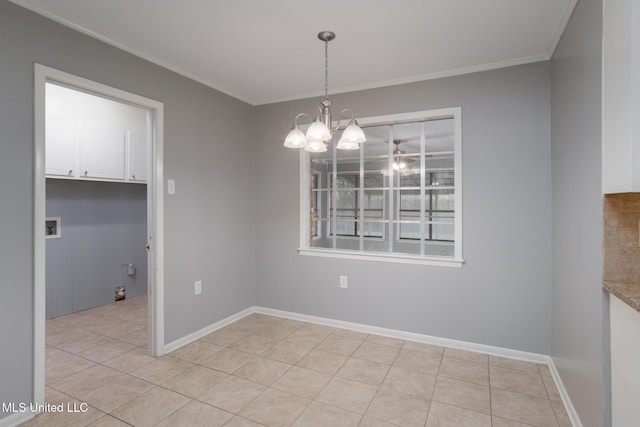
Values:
[(316, 147), (295, 139), (353, 133), (345, 144), (318, 132)]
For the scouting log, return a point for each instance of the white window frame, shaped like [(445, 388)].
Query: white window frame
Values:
[(446, 261)]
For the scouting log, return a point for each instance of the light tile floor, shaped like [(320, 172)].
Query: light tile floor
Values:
[(269, 371)]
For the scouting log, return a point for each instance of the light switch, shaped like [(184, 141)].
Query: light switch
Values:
[(171, 186)]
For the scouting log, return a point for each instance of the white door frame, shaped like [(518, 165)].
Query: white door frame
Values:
[(155, 213)]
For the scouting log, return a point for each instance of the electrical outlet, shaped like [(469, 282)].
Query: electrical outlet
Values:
[(198, 287), (343, 281)]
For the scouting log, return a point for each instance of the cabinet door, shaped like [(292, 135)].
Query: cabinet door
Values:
[(60, 147), (137, 143), (101, 152)]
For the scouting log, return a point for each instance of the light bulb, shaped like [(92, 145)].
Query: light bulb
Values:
[(347, 145), (318, 132), (316, 147)]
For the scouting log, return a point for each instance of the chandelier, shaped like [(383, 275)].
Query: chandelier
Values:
[(320, 131)]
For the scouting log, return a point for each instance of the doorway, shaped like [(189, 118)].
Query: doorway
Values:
[(154, 234)]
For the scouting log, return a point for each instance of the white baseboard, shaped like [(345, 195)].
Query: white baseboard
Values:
[(16, 419), (187, 339), (410, 336), (392, 333), (571, 410)]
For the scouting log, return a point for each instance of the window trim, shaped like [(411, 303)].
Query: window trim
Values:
[(455, 261)]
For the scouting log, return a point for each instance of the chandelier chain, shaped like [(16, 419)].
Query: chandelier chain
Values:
[(326, 70)]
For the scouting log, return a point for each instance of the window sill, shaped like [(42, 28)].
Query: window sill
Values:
[(383, 257)]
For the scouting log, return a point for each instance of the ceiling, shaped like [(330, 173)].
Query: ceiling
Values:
[(267, 51)]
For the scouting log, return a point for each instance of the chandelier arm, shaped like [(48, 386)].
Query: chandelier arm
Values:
[(349, 120), (295, 121)]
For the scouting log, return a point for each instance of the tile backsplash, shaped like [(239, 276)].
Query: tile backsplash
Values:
[(621, 248)]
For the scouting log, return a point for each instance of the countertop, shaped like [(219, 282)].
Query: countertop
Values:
[(628, 293)]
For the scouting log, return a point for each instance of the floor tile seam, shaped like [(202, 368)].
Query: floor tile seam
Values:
[(521, 393), (113, 416), (490, 388), (124, 374), (48, 384), (176, 410), (555, 414), (462, 407), (266, 389), (199, 400), (486, 365), (386, 345), (492, 357), (466, 360), (278, 360), (520, 371), (386, 421), (280, 376), (72, 354), (517, 421), (88, 392), (332, 406), (327, 383), (549, 393), (378, 391), (88, 348)]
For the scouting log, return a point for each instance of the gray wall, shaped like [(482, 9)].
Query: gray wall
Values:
[(104, 225), (208, 223), (577, 297), (501, 295)]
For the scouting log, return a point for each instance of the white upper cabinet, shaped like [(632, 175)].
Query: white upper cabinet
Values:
[(137, 156), (94, 138), (621, 97), (60, 147), (101, 151)]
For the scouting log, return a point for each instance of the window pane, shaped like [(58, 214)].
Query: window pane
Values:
[(347, 181), (444, 178), (373, 229), (443, 200), (410, 201), (346, 228), (443, 231), (346, 199), (373, 204), (410, 231), (373, 180)]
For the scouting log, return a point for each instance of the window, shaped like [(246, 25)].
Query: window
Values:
[(397, 198)]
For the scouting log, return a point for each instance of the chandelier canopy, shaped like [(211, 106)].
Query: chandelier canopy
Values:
[(320, 131)]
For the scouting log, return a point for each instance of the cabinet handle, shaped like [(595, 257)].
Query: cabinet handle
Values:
[(86, 173), (133, 176), (70, 172)]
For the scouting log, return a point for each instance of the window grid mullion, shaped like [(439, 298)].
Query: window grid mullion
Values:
[(334, 199), (361, 196), (391, 189), (422, 186)]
